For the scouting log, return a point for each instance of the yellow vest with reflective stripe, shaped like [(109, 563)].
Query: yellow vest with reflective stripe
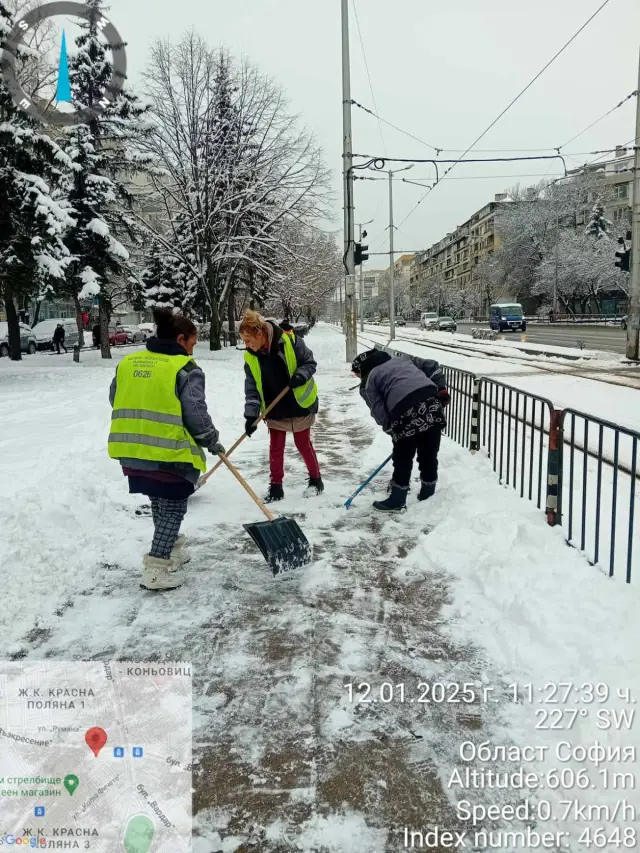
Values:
[(305, 396), (146, 422)]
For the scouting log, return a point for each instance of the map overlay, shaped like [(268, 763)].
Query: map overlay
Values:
[(96, 756)]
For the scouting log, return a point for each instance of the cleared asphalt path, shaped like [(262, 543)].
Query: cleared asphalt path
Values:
[(605, 338)]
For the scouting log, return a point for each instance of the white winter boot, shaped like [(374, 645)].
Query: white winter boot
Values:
[(158, 573), (179, 553)]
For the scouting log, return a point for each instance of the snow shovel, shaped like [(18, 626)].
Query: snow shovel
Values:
[(262, 417), (349, 501), (283, 545)]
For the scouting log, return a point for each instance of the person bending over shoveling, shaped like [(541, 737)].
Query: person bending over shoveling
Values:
[(159, 425), (406, 397), (273, 361)]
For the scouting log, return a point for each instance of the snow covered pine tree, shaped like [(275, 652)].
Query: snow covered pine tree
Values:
[(105, 154), (32, 221)]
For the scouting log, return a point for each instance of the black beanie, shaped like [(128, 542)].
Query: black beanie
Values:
[(364, 363)]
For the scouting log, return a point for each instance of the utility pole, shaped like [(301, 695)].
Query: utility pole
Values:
[(633, 324), (351, 328), (554, 301), (361, 296), (392, 294)]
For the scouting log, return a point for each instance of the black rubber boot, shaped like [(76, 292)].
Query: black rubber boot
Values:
[(276, 493), (427, 490), (396, 502), (315, 487)]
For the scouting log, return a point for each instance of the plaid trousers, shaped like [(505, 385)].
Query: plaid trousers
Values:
[(167, 518)]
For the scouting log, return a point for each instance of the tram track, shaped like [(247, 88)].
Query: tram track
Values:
[(607, 375)]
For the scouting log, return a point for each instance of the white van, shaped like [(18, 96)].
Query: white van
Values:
[(428, 320), (44, 330)]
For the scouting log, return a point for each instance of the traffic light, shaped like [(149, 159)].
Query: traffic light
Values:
[(361, 254), (624, 257)]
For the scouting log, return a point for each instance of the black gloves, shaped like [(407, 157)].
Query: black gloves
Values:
[(217, 448), (249, 426), (297, 381)]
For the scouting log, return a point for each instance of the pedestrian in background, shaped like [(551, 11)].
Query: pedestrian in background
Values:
[(159, 425), (58, 338), (273, 361), (406, 397)]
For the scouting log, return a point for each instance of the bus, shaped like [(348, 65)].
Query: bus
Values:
[(507, 316)]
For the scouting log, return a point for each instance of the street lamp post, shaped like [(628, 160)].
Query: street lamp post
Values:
[(351, 328), (392, 295)]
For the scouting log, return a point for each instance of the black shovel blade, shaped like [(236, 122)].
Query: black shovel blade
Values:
[(283, 545)]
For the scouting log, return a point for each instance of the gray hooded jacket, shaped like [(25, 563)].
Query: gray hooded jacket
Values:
[(397, 379)]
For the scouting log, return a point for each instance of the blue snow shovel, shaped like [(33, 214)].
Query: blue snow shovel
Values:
[(349, 501)]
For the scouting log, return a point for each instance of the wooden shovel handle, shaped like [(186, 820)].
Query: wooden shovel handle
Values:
[(262, 417), (247, 487)]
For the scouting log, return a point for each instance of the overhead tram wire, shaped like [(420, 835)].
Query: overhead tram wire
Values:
[(366, 65), (514, 101), (499, 150), (486, 150), (633, 94), (399, 129)]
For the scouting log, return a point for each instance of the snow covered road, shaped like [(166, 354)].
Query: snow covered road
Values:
[(471, 588)]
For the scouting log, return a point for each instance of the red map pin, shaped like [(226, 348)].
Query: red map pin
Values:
[(96, 739)]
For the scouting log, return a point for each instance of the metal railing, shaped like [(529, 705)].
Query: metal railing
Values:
[(582, 471), (514, 432), (598, 481), (459, 412), (560, 319)]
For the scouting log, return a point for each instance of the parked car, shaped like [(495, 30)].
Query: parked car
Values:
[(44, 330), (446, 324), (134, 334), (428, 320), (27, 339), (623, 323), (147, 329), (400, 321), (117, 336)]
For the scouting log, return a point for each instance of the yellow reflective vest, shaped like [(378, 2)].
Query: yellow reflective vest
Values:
[(146, 422), (305, 396)]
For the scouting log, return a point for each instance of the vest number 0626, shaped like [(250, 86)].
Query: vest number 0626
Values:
[(142, 374)]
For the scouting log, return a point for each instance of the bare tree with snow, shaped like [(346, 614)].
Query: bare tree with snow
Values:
[(308, 269), (238, 166)]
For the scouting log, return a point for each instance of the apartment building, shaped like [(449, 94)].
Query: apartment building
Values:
[(451, 262), (617, 191)]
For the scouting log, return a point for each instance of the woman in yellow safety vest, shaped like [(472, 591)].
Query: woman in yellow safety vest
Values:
[(273, 361), (159, 425)]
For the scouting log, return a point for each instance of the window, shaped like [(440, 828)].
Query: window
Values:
[(621, 214), (621, 191)]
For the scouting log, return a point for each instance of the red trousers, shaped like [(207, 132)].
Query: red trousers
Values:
[(276, 453)]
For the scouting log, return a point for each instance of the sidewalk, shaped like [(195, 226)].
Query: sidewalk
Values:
[(471, 588)]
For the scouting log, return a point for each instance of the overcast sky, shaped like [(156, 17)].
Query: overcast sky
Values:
[(441, 71)]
